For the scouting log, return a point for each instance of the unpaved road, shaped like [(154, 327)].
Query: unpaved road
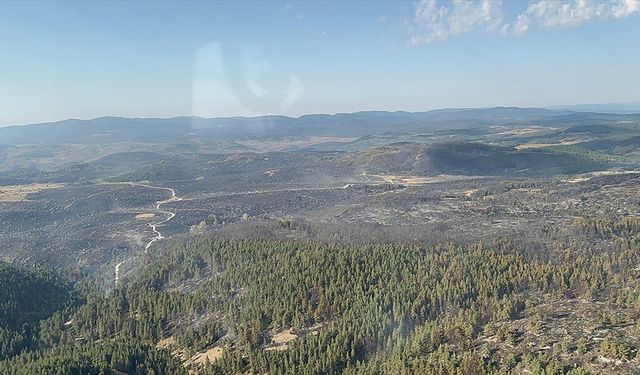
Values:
[(169, 214), (117, 278), (154, 225)]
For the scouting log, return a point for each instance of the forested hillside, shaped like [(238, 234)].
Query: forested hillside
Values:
[(26, 297), (34, 306), (317, 308)]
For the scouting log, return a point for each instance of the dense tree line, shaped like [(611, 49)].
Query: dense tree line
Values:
[(108, 357), (26, 297), (380, 308)]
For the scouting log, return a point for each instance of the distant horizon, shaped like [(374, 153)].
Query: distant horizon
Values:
[(66, 59), (583, 107)]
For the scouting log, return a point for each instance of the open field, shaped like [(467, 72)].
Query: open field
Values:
[(542, 145), (145, 216), (18, 193), (415, 180)]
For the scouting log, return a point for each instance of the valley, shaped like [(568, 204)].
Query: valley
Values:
[(501, 244), (112, 210)]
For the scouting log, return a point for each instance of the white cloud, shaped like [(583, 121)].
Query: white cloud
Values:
[(433, 22), (626, 8), (556, 13), (553, 13), (522, 24)]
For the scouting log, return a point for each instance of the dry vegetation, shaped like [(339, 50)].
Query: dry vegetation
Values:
[(418, 180), (520, 131), (211, 355), (18, 193), (289, 143), (145, 216), (541, 145), (280, 339)]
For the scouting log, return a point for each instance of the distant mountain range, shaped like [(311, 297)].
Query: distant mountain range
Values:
[(621, 108), (107, 130)]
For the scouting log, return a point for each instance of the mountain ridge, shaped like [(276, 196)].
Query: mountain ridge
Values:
[(111, 129)]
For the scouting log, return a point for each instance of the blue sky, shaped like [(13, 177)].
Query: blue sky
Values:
[(162, 59)]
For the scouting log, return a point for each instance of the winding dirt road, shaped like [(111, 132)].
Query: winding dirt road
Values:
[(154, 225), (117, 278), (170, 214)]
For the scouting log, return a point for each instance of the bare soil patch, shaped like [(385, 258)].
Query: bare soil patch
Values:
[(279, 340), (283, 337), (523, 131), (540, 145), (287, 143), (166, 342), (418, 180), (212, 355), (588, 176), (18, 193), (145, 216)]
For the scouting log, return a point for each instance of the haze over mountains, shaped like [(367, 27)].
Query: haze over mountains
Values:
[(623, 108), (116, 129), (478, 240)]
